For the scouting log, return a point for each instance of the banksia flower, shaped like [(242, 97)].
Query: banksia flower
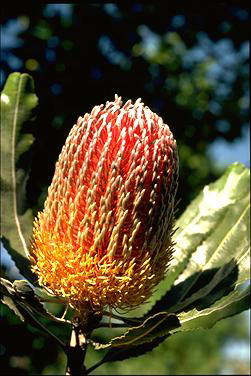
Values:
[(104, 236)]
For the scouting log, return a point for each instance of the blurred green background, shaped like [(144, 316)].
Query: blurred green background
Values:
[(189, 64)]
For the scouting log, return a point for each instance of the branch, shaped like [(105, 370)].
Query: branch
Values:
[(76, 353), (83, 325)]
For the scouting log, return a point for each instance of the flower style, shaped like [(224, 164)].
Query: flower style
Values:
[(104, 236)]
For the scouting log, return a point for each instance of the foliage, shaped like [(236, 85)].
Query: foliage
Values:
[(188, 65), (211, 259), (17, 103), (194, 73)]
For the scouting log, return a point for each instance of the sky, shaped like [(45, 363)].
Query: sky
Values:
[(225, 153)]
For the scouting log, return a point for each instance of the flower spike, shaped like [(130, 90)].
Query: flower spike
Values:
[(104, 236)]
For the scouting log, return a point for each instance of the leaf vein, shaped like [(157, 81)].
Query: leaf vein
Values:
[(13, 174)]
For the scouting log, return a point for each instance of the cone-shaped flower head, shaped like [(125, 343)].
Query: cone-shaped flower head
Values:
[(104, 235)]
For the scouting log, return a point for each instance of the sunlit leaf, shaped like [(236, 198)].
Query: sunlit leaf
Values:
[(232, 304), (215, 236), (122, 353), (207, 287), (215, 204), (18, 101), (155, 326)]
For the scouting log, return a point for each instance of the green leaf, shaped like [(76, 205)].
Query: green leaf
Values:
[(153, 327), (208, 286), (20, 294), (18, 101), (122, 353), (7, 292), (215, 203), (234, 303), (213, 241), (138, 340)]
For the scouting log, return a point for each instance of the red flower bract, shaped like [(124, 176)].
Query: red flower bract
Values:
[(104, 236)]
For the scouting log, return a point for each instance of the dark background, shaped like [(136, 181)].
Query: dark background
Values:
[(188, 63)]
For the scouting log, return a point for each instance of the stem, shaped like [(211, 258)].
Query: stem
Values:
[(83, 325), (76, 353)]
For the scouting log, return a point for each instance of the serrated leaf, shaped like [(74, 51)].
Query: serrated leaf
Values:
[(7, 291), (19, 297), (153, 327), (208, 286), (217, 240), (118, 353), (203, 216), (236, 302), (18, 101), (23, 295), (138, 340), (13, 306), (23, 289), (6, 287)]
